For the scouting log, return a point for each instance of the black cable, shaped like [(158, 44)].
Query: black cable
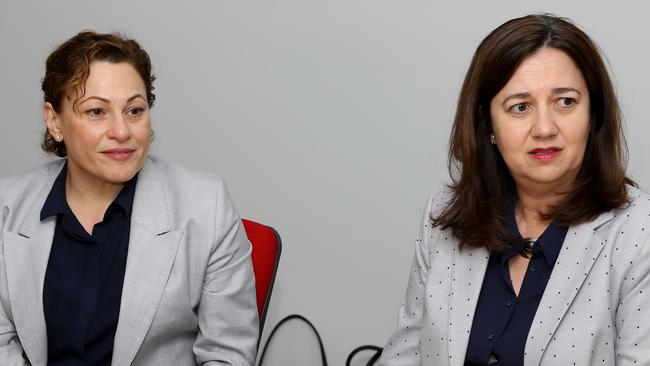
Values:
[(299, 317), (372, 360)]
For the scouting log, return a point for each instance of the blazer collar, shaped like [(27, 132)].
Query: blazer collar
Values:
[(470, 264), (579, 252), (150, 207), (26, 254), (32, 220), (149, 193), (469, 267), (152, 249)]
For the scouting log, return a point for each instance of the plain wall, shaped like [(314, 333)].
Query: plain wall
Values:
[(329, 120)]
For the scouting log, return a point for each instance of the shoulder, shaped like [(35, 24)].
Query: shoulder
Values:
[(438, 201), (178, 177), (626, 230), (639, 200), (19, 188), (430, 235), (19, 193), (183, 185), (30, 180), (635, 213), (188, 191)]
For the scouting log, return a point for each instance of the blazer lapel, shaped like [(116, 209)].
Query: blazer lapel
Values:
[(26, 253), (152, 249), (580, 250), (469, 269)]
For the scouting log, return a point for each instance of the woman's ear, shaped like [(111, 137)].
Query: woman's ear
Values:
[(52, 121)]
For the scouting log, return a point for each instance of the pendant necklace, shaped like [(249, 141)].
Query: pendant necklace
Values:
[(527, 250)]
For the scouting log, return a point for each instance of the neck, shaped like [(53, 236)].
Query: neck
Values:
[(531, 206), (91, 194)]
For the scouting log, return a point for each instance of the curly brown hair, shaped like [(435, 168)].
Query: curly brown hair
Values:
[(68, 67)]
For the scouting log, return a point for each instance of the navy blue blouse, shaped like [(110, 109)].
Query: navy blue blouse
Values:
[(84, 277), (502, 319)]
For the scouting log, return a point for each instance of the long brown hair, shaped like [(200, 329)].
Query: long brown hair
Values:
[(481, 181), (68, 67)]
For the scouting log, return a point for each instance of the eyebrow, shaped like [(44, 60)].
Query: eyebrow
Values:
[(108, 101), (523, 95), (554, 91), (565, 90)]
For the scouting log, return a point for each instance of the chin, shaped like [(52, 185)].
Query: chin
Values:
[(123, 172), (120, 177), (551, 179)]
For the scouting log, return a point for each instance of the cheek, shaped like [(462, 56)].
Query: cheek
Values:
[(143, 134), (511, 141), (578, 135), (511, 137), (82, 142), (582, 145)]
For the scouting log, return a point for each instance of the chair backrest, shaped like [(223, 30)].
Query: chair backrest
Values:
[(267, 248)]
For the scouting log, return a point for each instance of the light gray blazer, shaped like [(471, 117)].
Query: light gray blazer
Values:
[(189, 293), (595, 309)]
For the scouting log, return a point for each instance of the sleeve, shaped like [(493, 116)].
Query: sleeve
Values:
[(632, 325), (11, 351), (403, 345), (227, 314)]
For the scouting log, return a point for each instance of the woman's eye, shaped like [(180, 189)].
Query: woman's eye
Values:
[(566, 102), (135, 112), (95, 112), (519, 108)]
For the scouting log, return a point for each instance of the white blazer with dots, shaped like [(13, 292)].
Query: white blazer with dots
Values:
[(595, 309)]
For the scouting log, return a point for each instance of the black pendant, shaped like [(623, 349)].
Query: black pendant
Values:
[(527, 251)]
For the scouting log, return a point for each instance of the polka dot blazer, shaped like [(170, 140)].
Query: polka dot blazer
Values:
[(595, 309)]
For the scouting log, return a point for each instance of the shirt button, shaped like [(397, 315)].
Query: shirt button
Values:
[(509, 304), (533, 269), (490, 337)]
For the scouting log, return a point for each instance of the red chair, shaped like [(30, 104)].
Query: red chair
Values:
[(267, 248)]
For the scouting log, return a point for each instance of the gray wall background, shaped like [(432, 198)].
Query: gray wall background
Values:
[(328, 119)]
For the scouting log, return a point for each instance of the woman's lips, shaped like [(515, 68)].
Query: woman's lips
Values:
[(119, 154), (545, 153)]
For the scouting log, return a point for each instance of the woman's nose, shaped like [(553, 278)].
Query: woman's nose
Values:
[(119, 129), (544, 124)]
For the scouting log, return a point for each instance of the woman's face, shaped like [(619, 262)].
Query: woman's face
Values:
[(107, 133), (540, 121)]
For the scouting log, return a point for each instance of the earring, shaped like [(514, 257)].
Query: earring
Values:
[(493, 140)]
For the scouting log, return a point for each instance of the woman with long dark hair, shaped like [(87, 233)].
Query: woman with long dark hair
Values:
[(538, 252)]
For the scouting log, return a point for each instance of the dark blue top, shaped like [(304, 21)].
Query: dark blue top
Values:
[(501, 319), (83, 281)]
